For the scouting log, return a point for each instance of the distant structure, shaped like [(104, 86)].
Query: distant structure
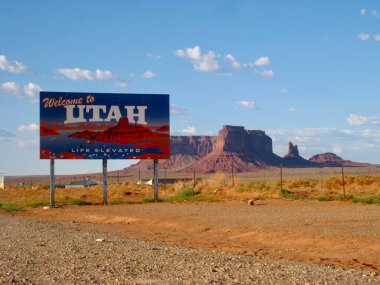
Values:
[(79, 184), (1, 181)]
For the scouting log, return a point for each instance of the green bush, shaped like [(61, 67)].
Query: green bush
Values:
[(185, 194), (37, 203), (79, 202), (287, 194), (367, 200), (9, 207)]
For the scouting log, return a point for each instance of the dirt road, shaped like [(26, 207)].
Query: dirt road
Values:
[(330, 233)]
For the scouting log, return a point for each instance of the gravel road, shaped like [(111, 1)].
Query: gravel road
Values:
[(34, 251)]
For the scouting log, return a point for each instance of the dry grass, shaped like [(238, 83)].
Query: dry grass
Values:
[(218, 187)]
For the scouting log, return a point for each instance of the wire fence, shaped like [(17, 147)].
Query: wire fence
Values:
[(167, 176)]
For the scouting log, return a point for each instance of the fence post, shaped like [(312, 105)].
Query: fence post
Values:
[(194, 178), (281, 177), (343, 182), (232, 174)]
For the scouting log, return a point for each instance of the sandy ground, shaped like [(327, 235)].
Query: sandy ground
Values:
[(331, 233)]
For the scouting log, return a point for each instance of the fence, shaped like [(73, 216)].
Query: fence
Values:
[(169, 176)]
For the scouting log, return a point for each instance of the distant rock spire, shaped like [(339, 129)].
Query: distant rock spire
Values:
[(292, 150)]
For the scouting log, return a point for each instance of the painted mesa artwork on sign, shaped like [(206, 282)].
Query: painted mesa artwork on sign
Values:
[(104, 125)]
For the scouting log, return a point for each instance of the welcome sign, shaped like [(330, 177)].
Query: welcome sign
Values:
[(104, 125)]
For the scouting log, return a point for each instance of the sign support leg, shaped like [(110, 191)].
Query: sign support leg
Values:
[(105, 183), (155, 180), (52, 183)]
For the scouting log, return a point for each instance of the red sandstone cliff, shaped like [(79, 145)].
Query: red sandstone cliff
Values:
[(234, 147)]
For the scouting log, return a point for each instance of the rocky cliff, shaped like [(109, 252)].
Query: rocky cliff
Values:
[(198, 146), (233, 147)]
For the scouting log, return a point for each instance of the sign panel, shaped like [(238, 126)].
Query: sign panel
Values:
[(104, 125)]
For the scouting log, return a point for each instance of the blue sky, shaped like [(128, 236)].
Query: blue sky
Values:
[(305, 71)]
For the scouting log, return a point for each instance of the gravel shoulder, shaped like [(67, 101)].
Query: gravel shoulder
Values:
[(330, 233), (42, 251)]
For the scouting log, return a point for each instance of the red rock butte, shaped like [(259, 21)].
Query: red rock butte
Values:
[(234, 146)]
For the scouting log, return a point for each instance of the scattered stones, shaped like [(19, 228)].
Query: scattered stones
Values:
[(251, 202), (69, 256)]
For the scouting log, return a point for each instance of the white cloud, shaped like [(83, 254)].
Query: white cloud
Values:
[(188, 130), (364, 37), (28, 128), (122, 83), (175, 111), (154, 56), (207, 62), (263, 61), (362, 11), (246, 104), (11, 66), (235, 63), (291, 109), (32, 90), (376, 37), (283, 90), (11, 87), (148, 74), (265, 73), (78, 73), (357, 120), (374, 13), (337, 149)]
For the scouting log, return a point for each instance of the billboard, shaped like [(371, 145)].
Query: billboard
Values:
[(104, 125)]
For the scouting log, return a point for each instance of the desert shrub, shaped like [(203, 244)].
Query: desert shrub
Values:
[(10, 207), (250, 185), (118, 202), (240, 188), (147, 200), (324, 198), (79, 202), (363, 180), (218, 181), (286, 194), (367, 200), (37, 203), (185, 194), (333, 183), (256, 186), (303, 183)]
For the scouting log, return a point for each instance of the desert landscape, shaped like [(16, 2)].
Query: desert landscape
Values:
[(240, 213), (189, 142), (305, 233)]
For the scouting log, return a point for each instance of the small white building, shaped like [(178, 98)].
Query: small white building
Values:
[(1, 181)]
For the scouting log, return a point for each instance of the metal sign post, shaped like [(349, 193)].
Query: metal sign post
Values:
[(52, 183), (155, 179), (105, 183)]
